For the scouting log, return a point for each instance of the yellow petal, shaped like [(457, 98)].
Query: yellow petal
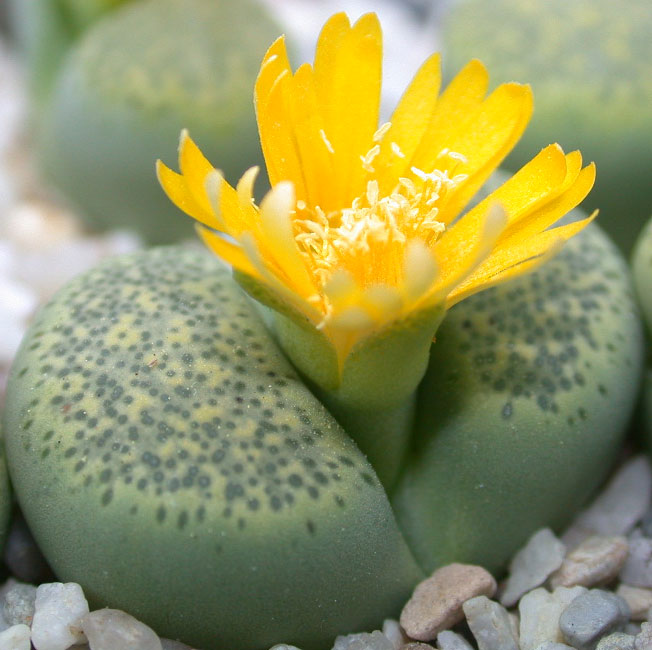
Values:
[(277, 237), (347, 72), (275, 62), (457, 260), (490, 134), (546, 215), (315, 150), (529, 185), (408, 124), (227, 251), (194, 168), (177, 191), (277, 137), (460, 99), (509, 262)]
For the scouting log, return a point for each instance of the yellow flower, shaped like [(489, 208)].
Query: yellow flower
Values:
[(362, 226)]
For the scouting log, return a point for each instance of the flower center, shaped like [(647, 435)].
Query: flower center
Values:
[(369, 239)]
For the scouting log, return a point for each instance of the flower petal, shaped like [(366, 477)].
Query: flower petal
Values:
[(347, 70), (408, 124), (176, 188), (194, 168), (230, 253), (277, 237)]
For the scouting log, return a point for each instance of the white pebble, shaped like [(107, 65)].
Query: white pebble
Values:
[(618, 507), (16, 638), (540, 611), (490, 624), (392, 630), (58, 610), (113, 629), (532, 565), (637, 570), (363, 641), (448, 640)]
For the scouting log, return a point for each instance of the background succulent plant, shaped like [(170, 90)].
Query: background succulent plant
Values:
[(114, 83), (170, 460), (589, 65)]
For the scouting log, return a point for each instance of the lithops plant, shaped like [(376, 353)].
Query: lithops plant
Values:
[(126, 86), (590, 65), (6, 500), (239, 475), (642, 268)]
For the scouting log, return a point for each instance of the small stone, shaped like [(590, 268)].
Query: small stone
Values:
[(58, 611), (632, 628), (540, 611), (364, 641), (416, 645), (436, 603), (643, 640), (16, 638), (449, 640), (618, 507), (551, 645), (637, 570), (392, 630), (532, 565), (591, 616), (596, 561), (638, 599), (112, 629), (19, 603), (616, 641), (490, 625)]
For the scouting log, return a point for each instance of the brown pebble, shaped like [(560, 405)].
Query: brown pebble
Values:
[(596, 561), (436, 603)]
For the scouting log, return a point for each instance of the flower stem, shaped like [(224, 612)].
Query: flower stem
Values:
[(372, 394)]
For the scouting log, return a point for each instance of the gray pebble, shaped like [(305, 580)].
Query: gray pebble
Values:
[(643, 639), (449, 640), (374, 641), (112, 629), (616, 641), (19, 604), (591, 616), (532, 565), (637, 570), (416, 645), (551, 645), (490, 624), (618, 507)]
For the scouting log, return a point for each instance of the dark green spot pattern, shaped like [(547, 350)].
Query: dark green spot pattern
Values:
[(168, 459), (529, 388)]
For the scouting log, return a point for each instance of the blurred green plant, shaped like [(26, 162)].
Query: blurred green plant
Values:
[(590, 66), (113, 82)]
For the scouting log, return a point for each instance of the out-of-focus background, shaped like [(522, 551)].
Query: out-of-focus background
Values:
[(93, 91)]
